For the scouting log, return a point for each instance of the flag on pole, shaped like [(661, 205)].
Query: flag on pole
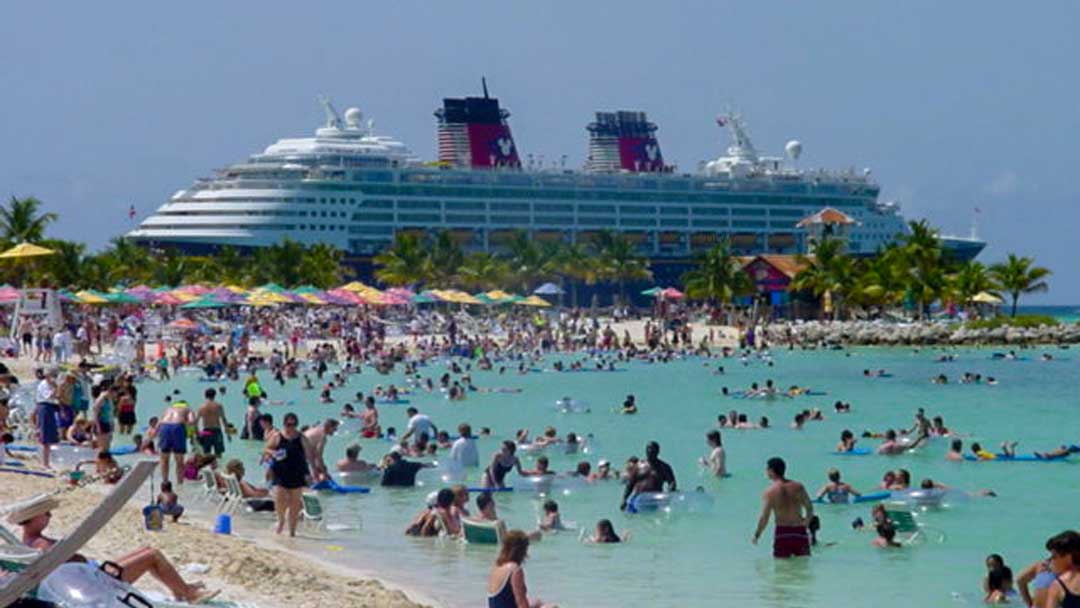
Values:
[(131, 213)]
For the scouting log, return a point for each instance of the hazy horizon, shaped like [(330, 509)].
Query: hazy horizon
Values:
[(952, 106)]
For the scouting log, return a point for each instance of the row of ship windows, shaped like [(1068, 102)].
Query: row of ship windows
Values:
[(775, 196), (325, 200), (583, 208), (329, 214), (642, 181), (510, 220)]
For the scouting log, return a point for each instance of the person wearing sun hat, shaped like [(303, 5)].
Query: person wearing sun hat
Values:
[(34, 516)]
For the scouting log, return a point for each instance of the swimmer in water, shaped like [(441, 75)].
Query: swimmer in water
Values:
[(886, 536), (955, 453), (551, 520), (604, 533), (847, 441), (836, 492), (629, 406)]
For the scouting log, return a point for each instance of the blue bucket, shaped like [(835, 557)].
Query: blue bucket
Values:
[(223, 524)]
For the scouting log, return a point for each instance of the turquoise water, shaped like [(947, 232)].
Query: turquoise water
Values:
[(698, 559), (1065, 314)]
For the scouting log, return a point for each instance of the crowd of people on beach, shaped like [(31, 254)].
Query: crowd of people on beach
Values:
[(76, 400)]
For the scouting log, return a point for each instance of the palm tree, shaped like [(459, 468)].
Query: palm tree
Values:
[(717, 276), (1018, 275), (320, 265), (65, 268), (828, 275), (279, 263), (125, 261), (969, 280), (404, 262), (446, 257), (481, 271), (526, 260), (577, 262), (881, 280), (20, 221), (619, 260)]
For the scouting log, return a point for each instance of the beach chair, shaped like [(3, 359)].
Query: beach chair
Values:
[(211, 493), (913, 532), (483, 532), (234, 495), (312, 510)]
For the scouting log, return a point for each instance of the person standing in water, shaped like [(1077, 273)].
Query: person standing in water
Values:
[(212, 416), (291, 460), (649, 476), (787, 502), (172, 437)]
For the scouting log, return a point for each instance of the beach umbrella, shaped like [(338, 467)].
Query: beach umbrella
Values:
[(672, 294), (424, 298), (536, 301), (207, 301), (548, 289), (26, 250), (165, 299), (985, 297), (652, 291), (8, 294), (89, 296), (120, 297)]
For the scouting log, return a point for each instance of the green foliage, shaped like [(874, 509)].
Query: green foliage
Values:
[(718, 276), (1021, 321), (1019, 275)]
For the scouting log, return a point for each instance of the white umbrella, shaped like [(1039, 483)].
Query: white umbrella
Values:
[(548, 289)]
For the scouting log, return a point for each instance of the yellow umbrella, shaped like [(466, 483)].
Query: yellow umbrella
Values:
[(355, 286), (533, 301), (26, 250), (312, 299), (985, 297), (262, 299), (85, 297), (186, 296), (499, 294), (460, 297), (268, 296)]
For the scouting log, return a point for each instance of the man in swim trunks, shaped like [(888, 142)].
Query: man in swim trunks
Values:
[(787, 502), (649, 476), (172, 437), (212, 417), (318, 436), (370, 418)]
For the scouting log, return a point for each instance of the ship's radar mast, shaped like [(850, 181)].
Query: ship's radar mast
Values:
[(741, 147), (333, 121)]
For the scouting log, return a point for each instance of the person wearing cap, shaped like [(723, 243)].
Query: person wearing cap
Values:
[(172, 437), (603, 471), (45, 413), (34, 517)]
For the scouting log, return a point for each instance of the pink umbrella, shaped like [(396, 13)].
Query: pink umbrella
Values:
[(344, 295), (165, 298), (8, 294), (194, 289), (672, 294)]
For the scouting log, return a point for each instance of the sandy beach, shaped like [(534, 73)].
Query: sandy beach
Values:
[(246, 572)]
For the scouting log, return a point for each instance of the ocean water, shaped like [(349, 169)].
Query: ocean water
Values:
[(694, 559)]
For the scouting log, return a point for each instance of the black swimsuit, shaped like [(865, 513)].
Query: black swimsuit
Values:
[(291, 471), (1069, 599)]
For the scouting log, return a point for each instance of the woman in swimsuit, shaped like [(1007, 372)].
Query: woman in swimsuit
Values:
[(506, 583), (502, 463), (290, 453), (1065, 562), (836, 492)]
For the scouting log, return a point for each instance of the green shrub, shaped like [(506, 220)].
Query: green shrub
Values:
[(1022, 321)]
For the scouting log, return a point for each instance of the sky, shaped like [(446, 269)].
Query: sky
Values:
[(952, 105)]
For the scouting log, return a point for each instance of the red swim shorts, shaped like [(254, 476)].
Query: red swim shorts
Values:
[(791, 541)]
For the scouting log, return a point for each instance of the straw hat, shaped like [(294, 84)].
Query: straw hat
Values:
[(38, 505)]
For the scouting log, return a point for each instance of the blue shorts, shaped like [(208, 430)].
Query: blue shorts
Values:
[(48, 433), (172, 438)]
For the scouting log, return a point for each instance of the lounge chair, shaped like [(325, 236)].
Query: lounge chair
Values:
[(210, 491), (312, 511), (904, 523), (483, 532)]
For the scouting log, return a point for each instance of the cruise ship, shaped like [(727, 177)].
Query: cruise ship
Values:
[(354, 189)]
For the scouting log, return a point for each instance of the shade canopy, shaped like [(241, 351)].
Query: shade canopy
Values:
[(985, 297), (26, 250), (548, 289), (536, 301)]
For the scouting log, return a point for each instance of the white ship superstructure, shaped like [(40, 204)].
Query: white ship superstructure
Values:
[(355, 190)]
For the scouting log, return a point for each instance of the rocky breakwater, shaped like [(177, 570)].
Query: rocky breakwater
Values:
[(816, 333)]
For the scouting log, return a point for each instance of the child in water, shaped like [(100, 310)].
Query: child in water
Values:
[(605, 533)]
